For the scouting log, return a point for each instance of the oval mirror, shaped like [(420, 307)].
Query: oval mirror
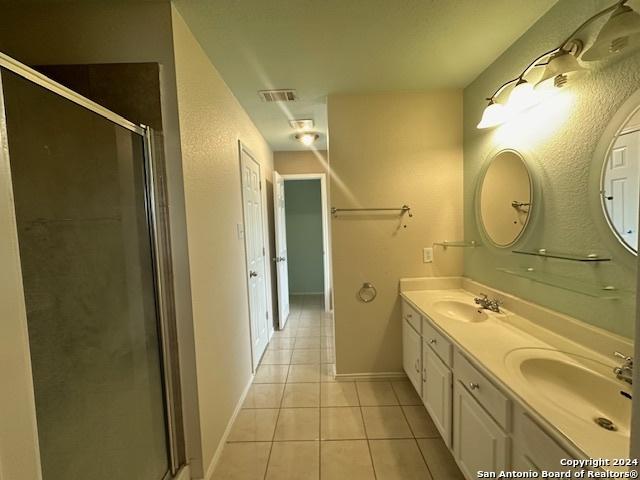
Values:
[(619, 182), (506, 196)]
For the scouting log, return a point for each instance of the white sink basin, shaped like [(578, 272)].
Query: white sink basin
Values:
[(584, 389), (460, 311)]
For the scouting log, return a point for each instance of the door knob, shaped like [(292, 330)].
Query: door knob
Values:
[(252, 274)]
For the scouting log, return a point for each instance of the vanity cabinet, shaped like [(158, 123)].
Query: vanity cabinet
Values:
[(436, 391), (478, 441), (412, 355)]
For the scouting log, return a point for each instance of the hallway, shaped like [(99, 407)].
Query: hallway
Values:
[(297, 422)]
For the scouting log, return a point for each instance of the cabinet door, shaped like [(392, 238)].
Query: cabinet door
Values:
[(479, 444), (436, 391), (412, 355)]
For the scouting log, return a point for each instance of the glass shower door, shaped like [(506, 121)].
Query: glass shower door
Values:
[(87, 264)]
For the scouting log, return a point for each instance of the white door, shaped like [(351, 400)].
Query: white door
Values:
[(255, 252), (621, 186), (282, 271)]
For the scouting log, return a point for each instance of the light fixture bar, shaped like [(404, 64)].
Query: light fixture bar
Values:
[(534, 63)]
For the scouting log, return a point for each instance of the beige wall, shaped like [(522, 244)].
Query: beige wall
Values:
[(300, 161), (406, 149), (211, 123)]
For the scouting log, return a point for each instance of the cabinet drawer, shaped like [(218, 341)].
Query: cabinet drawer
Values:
[(412, 316), (437, 342), (487, 394)]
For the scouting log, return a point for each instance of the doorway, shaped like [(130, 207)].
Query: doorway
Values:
[(255, 251), (302, 244)]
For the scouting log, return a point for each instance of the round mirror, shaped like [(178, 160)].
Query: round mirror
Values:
[(619, 182), (506, 197)]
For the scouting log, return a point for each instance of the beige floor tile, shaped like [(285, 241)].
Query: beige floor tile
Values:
[(271, 374), (327, 356), (294, 461), (439, 459), (376, 393), (308, 332), (385, 422), (398, 460), (341, 423), (328, 372), (420, 422), (298, 424), (327, 342), (305, 356), (304, 373), (346, 460), (256, 425), (307, 342), (338, 394), (264, 395), (405, 392), (282, 343), (286, 333), (277, 357), (310, 321), (301, 395), (243, 461)]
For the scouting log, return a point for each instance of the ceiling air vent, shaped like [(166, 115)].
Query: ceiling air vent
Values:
[(281, 95), (306, 124)]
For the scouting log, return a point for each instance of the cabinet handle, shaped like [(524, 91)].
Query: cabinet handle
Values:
[(473, 386), (409, 315), (416, 366), (433, 341), (424, 374)]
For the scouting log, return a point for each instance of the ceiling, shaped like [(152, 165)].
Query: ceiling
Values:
[(349, 46)]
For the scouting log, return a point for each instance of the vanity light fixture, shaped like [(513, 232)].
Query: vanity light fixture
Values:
[(621, 31), (494, 114), (307, 138), (561, 65)]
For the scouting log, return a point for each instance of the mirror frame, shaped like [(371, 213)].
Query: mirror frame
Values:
[(597, 171), (478, 194)]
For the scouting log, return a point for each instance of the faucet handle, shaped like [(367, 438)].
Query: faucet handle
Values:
[(622, 356)]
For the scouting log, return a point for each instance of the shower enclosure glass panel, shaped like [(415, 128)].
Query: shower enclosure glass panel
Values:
[(87, 265)]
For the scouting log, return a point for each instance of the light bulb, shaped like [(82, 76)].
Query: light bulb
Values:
[(522, 97), (494, 114), (307, 138)]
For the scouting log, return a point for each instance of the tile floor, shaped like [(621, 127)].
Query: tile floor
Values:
[(298, 423)]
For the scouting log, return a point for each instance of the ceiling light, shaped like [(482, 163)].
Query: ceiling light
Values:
[(620, 32), (307, 138), (560, 67), (301, 125), (494, 114), (522, 97)]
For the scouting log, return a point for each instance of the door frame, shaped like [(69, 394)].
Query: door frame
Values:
[(242, 147), (326, 244)]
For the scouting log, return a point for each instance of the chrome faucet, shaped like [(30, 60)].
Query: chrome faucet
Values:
[(624, 372), (488, 304)]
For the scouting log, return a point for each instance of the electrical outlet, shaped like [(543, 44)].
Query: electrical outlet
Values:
[(427, 255)]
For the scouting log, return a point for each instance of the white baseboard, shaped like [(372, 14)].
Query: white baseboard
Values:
[(350, 377), (225, 435)]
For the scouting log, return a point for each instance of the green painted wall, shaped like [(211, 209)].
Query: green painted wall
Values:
[(558, 140), (303, 203)]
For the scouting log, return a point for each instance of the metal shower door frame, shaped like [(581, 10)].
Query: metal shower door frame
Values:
[(158, 221)]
